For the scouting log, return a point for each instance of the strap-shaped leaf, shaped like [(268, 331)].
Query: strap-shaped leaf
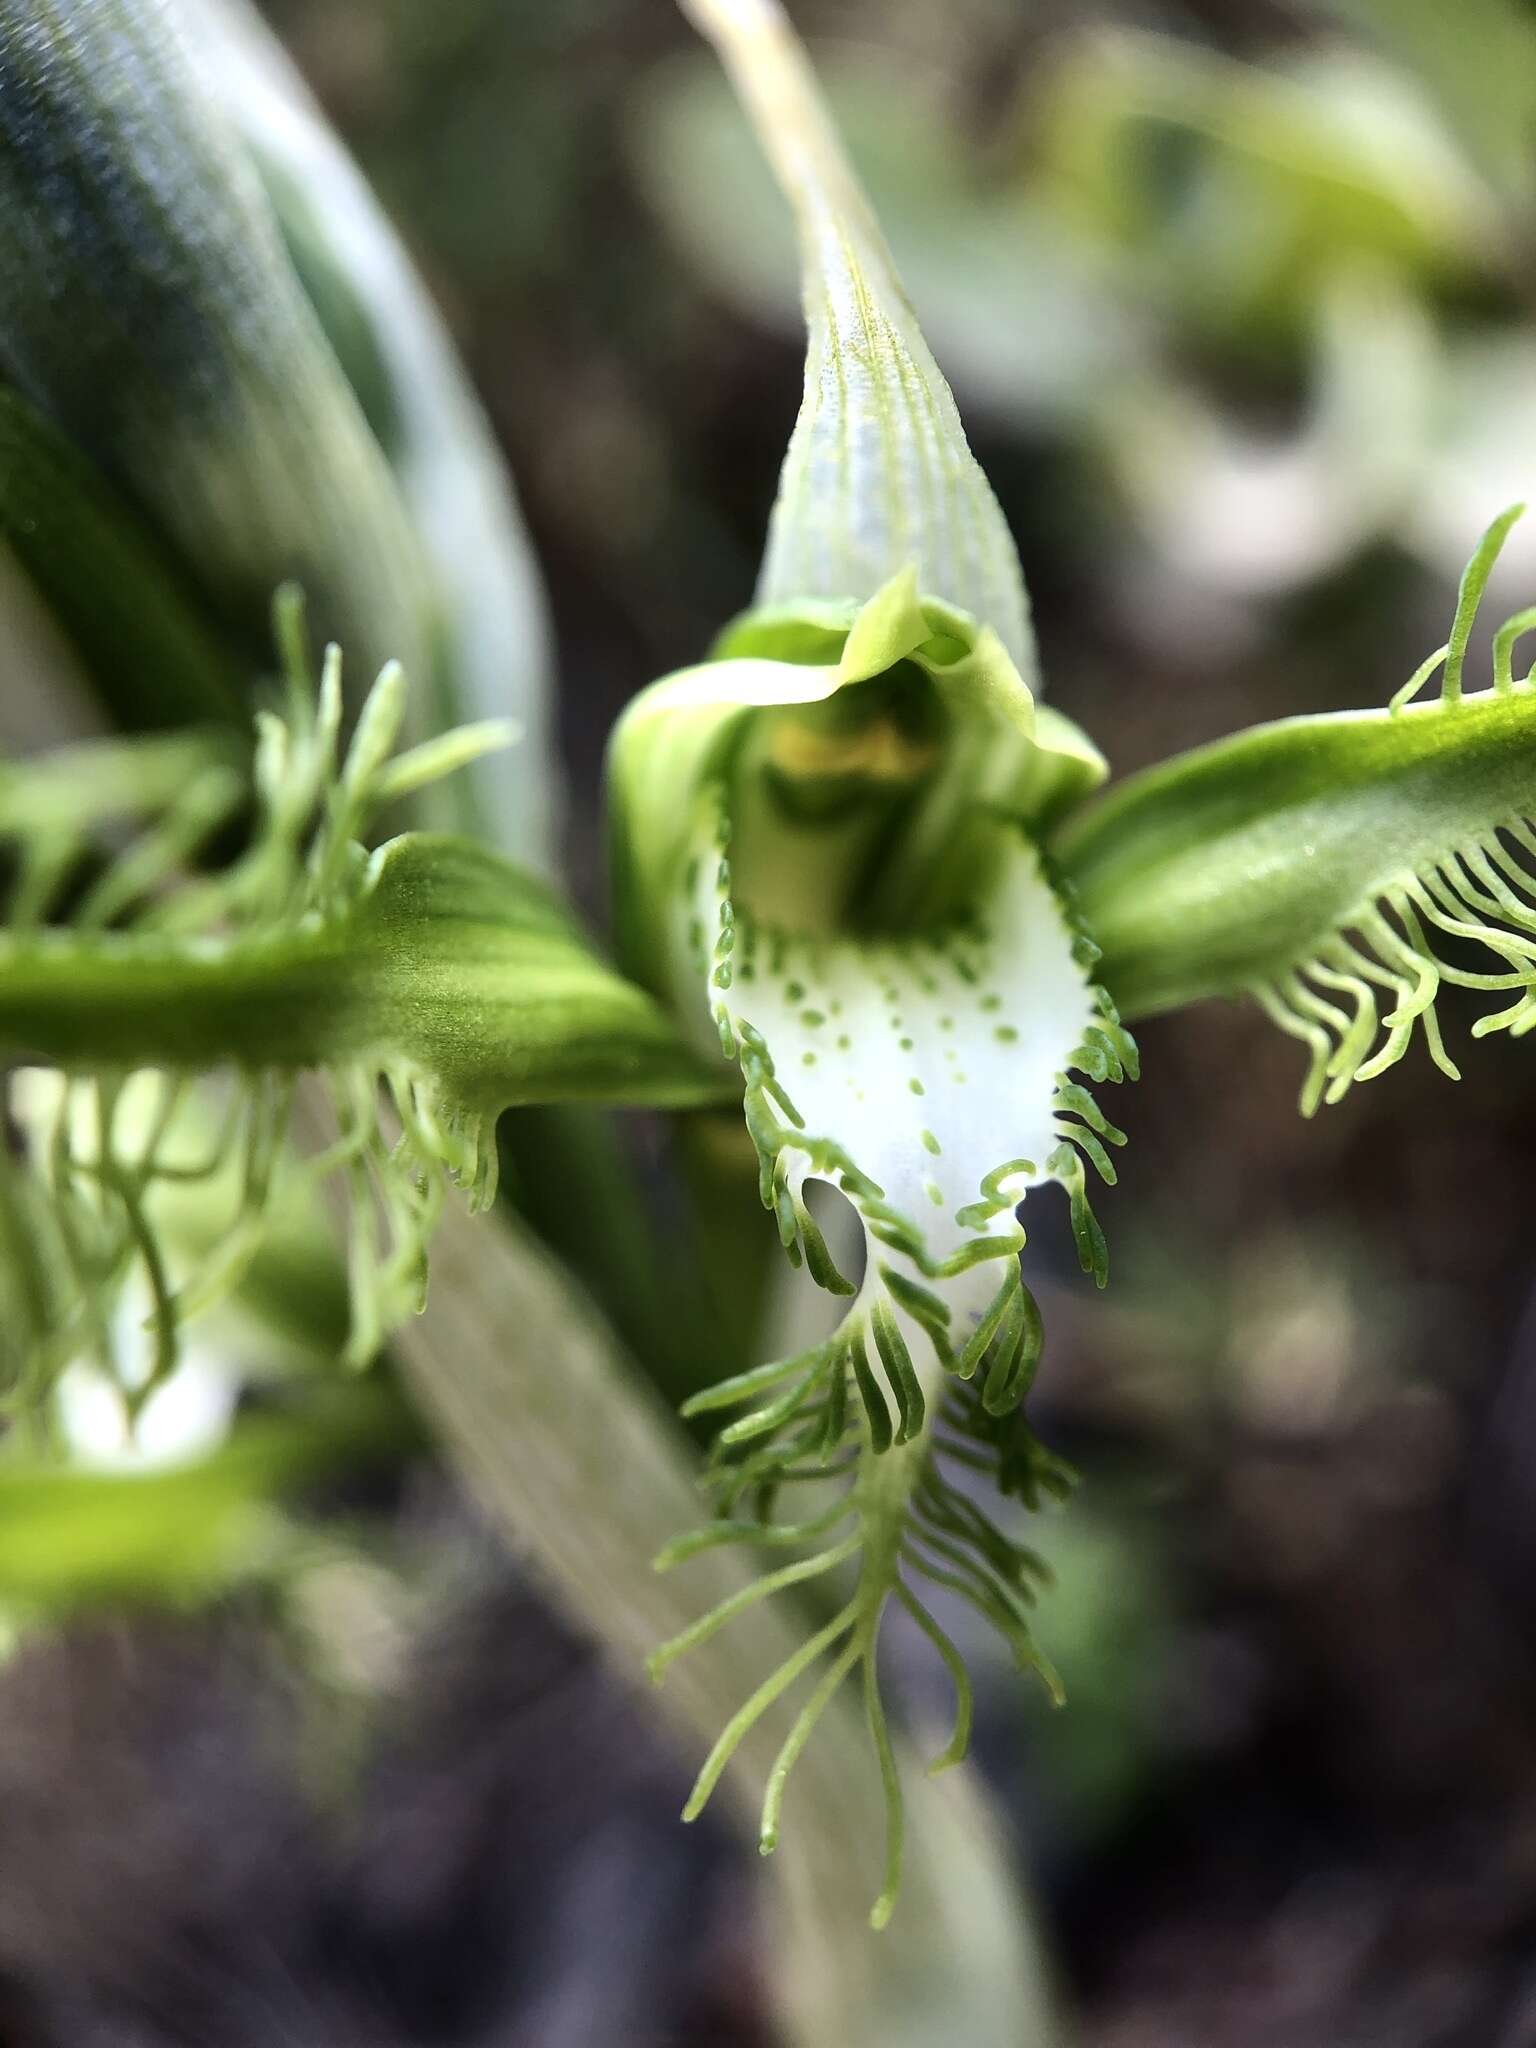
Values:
[(495, 657), (879, 474), (148, 307), (1340, 868)]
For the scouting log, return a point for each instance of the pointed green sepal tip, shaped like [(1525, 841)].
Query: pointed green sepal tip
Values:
[(879, 472)]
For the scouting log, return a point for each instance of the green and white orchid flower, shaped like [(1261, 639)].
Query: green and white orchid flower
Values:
[(844, 851)]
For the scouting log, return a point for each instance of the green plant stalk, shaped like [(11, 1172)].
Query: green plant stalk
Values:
[(737, 1260), (587, 1476), (571, 1176)]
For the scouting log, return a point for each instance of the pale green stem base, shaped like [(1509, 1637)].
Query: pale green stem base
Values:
[(587, 1476)]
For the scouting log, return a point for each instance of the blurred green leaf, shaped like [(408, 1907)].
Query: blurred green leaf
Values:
[(148, 308), (1478, 59), (490, 652), (72, 1538)]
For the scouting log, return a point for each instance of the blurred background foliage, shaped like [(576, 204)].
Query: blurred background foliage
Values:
[(1245, 334)]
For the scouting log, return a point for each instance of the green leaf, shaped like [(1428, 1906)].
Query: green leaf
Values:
[(492, 647), (148, 308), (1478, 59), (879, 475), (1341, 868), (72, 1538), (1290, 172), (144, 637)]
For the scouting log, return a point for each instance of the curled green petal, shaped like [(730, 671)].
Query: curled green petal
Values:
[(860, 744), (1342, 868)]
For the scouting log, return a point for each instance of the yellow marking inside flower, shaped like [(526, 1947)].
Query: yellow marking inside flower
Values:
[(878, 751)]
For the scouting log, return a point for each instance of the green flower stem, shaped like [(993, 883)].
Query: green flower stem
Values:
[(587, 1476), (737, 1258)]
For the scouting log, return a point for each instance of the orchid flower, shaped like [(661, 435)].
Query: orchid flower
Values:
[(851, 855)]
